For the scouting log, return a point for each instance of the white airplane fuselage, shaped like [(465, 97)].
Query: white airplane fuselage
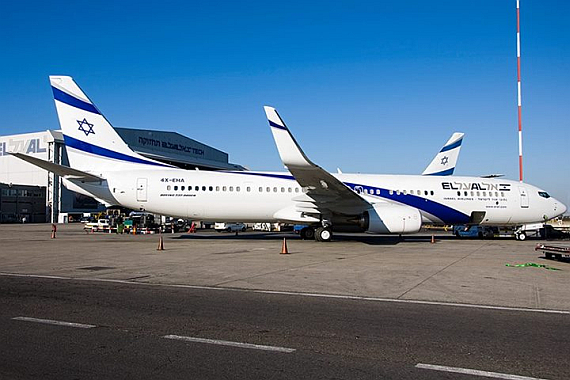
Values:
[(260, 196)]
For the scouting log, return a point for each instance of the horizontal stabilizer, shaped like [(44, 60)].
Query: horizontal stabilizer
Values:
[(64, 171)]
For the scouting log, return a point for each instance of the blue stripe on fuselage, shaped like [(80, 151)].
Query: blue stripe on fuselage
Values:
[(73, 101), (94, 149), (445, 213)]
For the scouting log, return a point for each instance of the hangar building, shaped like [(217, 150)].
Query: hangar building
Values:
[(36, 195)]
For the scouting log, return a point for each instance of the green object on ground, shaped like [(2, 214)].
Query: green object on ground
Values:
[(531, 265)]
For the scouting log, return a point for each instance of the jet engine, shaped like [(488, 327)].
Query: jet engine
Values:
[(391, 219)]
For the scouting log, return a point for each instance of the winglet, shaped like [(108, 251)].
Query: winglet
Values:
[(444, 162), (291, 153)]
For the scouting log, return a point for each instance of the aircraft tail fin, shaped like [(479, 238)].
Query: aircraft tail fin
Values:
[(444, 162), (92, 143)]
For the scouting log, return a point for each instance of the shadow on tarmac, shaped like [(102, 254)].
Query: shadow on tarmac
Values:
[(338, 237)]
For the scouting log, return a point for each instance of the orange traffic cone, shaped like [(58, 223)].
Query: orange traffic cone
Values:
[(284, 250), (160, 244), (432, 239)]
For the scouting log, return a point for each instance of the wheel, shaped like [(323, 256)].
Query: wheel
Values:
[(323, 234), (522, 236), (243, 229), (307, 233)]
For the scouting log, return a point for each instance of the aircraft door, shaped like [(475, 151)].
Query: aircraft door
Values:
[(142, 189), (524, 197)]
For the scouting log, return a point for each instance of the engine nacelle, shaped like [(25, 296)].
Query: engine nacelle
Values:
[(391, 219)]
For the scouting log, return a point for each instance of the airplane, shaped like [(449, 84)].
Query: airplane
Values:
[(444, 162), (104, 167)]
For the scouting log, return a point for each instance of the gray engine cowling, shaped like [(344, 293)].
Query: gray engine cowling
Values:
[(391, 219)]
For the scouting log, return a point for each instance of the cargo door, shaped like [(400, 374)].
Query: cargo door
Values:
[(524, 197), (142, 189)]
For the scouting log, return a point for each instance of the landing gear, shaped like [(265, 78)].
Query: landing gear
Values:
[(323, 234), (319, 234), (307, 233), (520, 236)]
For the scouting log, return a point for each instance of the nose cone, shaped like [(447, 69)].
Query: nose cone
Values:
[(562, 207), (559, 208)]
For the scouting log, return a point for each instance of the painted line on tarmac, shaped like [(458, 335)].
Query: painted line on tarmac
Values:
[(474, 372), (53, 322), (296, 294), (231, 344)]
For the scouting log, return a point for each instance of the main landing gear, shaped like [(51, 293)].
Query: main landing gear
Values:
[(319, 234)]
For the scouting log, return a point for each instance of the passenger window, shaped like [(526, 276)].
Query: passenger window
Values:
[(260, 189), (502, 194), (182, 188), (231, 188), (203, 188), (211, 188), (168, 187), (237, 188), (377, 191), (197, 188), (397, 192), (425, 192), (459, 193), (274, 189), (217, 188), (175, 188), (248, 189), (282, 189), (224, 188), (431, 192), (465, 193), (391, 192), (296, 189)]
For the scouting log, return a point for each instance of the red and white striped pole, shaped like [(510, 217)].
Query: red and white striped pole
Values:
[(519, 90)]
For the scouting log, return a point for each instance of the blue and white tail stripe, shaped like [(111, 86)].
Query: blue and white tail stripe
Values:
[(83, 146), (444, 162), (71, 100), (451, 146), (92, 143)]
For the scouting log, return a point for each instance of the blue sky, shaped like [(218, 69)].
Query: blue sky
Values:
[(372, 87)]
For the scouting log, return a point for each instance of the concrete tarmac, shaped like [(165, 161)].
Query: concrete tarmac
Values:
[(215, 306), (451, 270)]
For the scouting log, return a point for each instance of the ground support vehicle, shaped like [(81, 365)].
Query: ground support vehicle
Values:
[(553, 251), (230, 227)]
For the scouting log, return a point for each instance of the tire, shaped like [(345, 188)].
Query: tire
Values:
[(243, 229), (307, 233), (522, 236), (323, 234)]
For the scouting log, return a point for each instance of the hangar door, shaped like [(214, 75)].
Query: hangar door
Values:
[(142, 188)]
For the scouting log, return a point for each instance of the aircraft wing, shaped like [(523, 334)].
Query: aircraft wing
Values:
[(323, 191), (64, 171)]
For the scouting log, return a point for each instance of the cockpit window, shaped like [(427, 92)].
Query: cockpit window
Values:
[(544, 194)]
